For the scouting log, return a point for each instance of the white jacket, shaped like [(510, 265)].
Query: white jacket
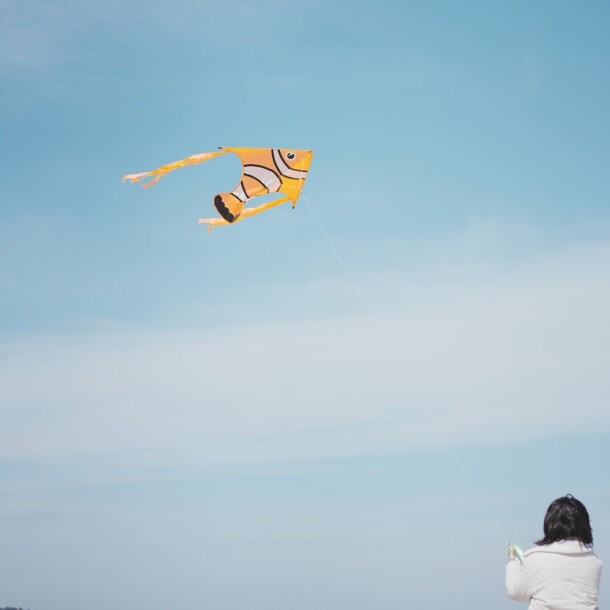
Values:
[(563, 575)]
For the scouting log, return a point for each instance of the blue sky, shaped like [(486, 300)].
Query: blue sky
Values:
[(216, 420)]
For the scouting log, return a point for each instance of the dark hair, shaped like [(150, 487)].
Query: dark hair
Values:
[(566, 518)]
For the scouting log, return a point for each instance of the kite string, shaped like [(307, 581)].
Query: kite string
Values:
[(406, 372)]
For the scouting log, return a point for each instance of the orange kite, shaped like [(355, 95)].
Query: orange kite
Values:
[(264, 170)]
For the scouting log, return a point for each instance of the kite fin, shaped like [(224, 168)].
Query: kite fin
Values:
[(264, 207), (229, 206), (246, 213)]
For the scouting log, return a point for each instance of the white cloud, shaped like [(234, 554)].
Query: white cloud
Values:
[(515, 355)]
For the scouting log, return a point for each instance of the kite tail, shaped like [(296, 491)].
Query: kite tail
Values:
[(158, 173), (246, 213)]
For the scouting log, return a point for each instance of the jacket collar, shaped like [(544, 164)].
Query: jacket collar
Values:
[(563, 547)]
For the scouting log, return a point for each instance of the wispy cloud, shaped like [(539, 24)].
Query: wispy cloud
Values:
[(521, 355), (38, 35), (55, 50), (28, 38)]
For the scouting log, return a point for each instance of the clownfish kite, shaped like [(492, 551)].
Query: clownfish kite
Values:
[(264, 170)]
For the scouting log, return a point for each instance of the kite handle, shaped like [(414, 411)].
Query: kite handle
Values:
[(515, 552)]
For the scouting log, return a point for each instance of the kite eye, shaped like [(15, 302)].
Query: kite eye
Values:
[(290, 156)]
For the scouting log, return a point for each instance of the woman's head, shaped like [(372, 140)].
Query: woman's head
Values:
[(566, 518)]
